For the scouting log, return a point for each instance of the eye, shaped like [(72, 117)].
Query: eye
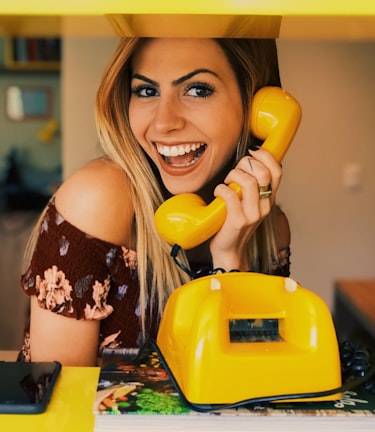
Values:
[(200, 90), (144, 91)]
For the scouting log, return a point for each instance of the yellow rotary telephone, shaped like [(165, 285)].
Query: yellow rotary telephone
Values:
[(232, 337), (238, 336), (186, 219)]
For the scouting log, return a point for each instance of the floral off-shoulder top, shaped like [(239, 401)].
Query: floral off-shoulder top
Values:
[(79, 276)]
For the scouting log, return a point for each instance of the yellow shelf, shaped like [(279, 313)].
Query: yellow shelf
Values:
[(254, 7), (293, 19)]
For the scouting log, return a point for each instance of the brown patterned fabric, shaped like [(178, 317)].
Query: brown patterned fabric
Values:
[(82, 277)]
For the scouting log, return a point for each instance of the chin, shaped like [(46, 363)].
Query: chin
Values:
[(179, 191), (181, 187)]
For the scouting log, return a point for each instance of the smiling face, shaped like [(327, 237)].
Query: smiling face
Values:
[(185, 110)]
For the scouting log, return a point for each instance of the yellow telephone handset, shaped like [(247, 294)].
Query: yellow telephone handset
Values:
[(186, 219)]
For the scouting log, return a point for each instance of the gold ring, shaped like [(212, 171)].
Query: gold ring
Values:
[(265, 191)]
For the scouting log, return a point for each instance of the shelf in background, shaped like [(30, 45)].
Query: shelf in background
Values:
[(32, 53)]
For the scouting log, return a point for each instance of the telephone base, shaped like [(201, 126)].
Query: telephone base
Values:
[(238, 336)]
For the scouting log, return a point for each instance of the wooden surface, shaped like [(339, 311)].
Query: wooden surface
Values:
[(356, 297), (8, 355)]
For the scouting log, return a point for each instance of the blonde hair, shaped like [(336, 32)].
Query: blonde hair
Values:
[(255, 64), (120, 145)]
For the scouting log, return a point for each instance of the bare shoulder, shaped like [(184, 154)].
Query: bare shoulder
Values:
[(96, 199)]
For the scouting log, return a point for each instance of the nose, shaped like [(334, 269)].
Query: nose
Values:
[(168, 115)]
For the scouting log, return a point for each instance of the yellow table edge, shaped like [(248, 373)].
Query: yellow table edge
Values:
[(70, 408)]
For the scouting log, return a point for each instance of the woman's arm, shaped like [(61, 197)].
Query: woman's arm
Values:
[(55, 337), (94, 200)]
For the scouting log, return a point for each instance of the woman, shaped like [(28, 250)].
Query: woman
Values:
[(172, 118)]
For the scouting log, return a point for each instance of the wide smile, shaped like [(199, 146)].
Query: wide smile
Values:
[(181, 155)]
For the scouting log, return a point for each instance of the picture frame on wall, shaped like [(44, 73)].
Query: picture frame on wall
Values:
[(24, 102)]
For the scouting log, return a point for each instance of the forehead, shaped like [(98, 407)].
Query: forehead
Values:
[(177, 55)]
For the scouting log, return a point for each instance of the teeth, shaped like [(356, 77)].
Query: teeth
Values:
[(180, 150), (174, 151)]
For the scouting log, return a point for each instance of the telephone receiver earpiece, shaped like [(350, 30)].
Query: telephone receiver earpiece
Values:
[(185, 219)]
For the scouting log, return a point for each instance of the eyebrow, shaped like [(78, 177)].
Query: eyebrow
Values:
[(178, 81)]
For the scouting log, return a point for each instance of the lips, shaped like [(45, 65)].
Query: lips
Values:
[(182, 155)]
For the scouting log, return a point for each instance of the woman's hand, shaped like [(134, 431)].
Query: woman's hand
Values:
[(228, 247)]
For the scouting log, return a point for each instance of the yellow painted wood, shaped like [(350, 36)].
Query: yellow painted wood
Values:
[(70, 408), (285, 19), (190, 25), (254, 7)]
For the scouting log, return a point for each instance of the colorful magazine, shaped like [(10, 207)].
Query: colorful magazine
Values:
[(144, 386)]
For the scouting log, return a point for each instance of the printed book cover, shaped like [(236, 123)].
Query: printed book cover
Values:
[(143, 386)]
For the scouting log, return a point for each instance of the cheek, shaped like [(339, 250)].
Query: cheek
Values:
[(229, 116), (228, 131)]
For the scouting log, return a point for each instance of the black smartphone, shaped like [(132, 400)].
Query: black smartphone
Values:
[(26, 387)]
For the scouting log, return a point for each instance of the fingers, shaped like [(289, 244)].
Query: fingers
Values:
[(252, 207), (265, 158), (255, 169), (258, 176), (263, 175), (265, 191)]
